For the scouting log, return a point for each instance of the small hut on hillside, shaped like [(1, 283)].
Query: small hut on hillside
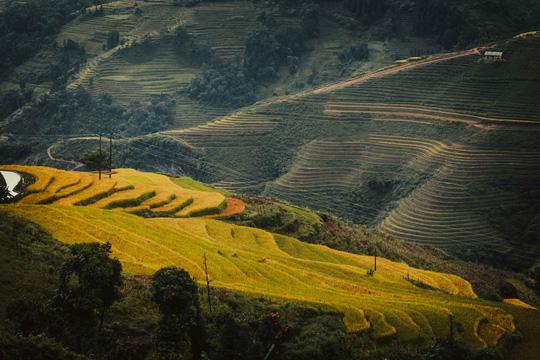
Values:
[(493, 56)]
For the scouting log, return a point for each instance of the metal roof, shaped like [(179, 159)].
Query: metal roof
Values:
[(493, 53)]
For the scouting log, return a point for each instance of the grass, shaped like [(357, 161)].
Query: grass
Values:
[(191, 184), (257, 262)]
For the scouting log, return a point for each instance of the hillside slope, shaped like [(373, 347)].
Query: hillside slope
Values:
[(127, 190), (398, 301), (435, 152)]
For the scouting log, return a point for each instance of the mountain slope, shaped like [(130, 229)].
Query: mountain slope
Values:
[(398, 301), (426, 151)]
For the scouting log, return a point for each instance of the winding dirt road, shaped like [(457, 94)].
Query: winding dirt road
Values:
[(354, 81), (76, 164)]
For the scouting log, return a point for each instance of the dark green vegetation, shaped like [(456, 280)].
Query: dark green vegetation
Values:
[(76, 113), (458, 23), (28, 26), (160, 317)]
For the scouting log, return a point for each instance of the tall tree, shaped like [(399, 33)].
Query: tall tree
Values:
[(176, 294), (89, 284)]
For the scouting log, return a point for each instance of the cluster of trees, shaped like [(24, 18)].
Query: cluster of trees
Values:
[(457, 23), (267, 50), (79, 112), (26, 27), (95, 159), (223, 84), (14, 99), (198, 53), (139, 51), (367, 10), (88, 285), (69, 59), (143, 118), (186, 3)]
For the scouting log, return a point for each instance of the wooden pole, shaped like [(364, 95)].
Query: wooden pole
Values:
[(207, 284), (375, 260), (100, 157), (272, 347), (110, 156)]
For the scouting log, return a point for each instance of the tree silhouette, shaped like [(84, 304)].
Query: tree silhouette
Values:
[(176, 295)]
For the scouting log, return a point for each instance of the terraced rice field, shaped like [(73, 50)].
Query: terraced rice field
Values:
[(409, 151), (503, 93), (91, 32), (228, 131), (214, 22), (162, 74), (163, 71), (441, 211), (385, 305), (128, 190)]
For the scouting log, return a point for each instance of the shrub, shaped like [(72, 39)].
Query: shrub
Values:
[(356, 52)]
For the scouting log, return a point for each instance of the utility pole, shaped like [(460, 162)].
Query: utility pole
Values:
[(375, 260), (110, 156), (100, 157), (207, 283)]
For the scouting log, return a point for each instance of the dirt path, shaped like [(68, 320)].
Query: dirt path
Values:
[(423, 112), (76, 165), (357, 80)]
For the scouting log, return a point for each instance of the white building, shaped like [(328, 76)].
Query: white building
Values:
[(493, 56)]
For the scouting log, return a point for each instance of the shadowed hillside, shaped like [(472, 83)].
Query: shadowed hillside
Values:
[(428, 153)]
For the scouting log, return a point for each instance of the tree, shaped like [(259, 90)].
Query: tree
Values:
[(95, 159), (262, 55), (310, 20), (182, 39), (176, 294), (89, 284), (113, 39), (222, 84)]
